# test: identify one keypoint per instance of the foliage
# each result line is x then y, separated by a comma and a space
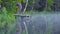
24, 1
11, 5
7, 25
33, 4
49, 4
0, 1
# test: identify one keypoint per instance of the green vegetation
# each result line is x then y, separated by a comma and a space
8, 8
50, 3
7, 24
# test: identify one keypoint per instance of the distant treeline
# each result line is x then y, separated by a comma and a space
39, 5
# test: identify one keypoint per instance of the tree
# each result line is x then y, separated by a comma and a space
26, 5
49, 4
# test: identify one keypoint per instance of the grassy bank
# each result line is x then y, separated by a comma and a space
41, 12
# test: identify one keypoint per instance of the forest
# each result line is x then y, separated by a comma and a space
10, 8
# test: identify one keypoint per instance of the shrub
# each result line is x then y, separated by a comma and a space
7, 24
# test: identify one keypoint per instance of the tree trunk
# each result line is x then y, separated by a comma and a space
45, 9
25, 6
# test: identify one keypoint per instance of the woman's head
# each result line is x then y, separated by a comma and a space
19, 6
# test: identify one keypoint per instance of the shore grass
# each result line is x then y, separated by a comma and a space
39, 12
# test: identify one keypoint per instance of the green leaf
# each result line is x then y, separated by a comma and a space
24, 1
18, 0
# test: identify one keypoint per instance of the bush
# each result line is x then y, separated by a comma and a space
7, 24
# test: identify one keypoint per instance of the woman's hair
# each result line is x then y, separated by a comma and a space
19, 7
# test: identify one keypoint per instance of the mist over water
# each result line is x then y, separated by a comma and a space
44, 24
